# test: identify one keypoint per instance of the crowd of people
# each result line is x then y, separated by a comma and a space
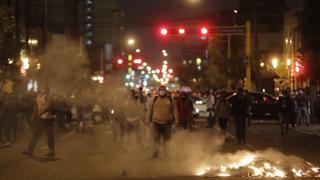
131, 113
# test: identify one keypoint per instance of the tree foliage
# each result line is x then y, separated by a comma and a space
222, 69
7, 36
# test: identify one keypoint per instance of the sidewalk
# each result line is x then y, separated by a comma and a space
313, 129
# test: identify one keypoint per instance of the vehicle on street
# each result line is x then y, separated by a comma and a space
263, 106
200, 106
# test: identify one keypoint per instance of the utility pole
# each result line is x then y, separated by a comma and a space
248, 82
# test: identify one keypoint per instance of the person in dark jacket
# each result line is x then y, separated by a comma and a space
223, 112
239, 112
185, 108
286, 110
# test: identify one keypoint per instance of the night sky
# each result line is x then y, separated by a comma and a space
144, 17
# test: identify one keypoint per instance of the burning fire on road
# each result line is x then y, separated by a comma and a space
256, 165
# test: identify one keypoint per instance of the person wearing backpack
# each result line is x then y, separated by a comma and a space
42, 115
162, 113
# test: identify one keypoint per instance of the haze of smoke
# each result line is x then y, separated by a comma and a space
189, 151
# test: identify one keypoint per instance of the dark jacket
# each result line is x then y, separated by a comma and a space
285, 105
240, 105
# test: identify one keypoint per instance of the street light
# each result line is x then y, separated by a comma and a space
164, 31
275, 63
131, 41
138, 50
204, 31
288, 62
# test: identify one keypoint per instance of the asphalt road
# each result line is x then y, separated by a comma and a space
94, 154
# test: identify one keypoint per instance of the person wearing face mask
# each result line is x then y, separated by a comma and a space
162, 113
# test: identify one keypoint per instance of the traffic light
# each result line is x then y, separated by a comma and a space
181, 31
298, 68
164, 31
204, 30
120, 61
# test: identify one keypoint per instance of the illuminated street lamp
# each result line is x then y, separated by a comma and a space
275, 63
131, 41
138, 50
288, 62
262, 64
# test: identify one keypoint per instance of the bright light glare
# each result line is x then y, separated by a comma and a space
182, 31
275, 63
164, 31
131, 41
204, 30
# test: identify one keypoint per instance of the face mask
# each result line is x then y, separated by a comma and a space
162, 93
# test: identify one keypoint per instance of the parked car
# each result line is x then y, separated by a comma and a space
263, 106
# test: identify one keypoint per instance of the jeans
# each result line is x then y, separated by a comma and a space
284, 122
240, 122
160, 130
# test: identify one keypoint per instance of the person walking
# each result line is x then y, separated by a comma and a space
302, 108
43, 121
185, 108
162, 113
223, 112
211, 102
286, 111
134, 112
239, 112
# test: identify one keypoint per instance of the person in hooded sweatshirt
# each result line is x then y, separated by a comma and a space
162, 113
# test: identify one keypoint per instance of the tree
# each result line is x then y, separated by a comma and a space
8, 47
224, 71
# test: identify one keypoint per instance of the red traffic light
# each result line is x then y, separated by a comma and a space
164, 31
120, 61
204, 31
181, 31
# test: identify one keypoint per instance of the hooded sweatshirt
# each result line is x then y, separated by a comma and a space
162, 110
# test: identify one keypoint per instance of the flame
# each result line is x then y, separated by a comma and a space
246, 160
203, 170
298, 173
251, 166
223, 174
315, 169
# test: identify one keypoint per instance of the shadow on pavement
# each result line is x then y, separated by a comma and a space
45, 159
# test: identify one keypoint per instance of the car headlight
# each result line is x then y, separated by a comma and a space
199, 102
197, 110
112, 111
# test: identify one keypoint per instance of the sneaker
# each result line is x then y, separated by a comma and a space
27, 153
